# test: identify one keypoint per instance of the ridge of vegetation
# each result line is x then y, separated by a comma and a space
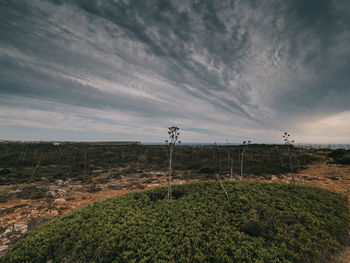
262, 222
26, 162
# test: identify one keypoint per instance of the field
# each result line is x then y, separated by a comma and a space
40, 181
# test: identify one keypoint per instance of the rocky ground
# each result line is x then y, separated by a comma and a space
23, 207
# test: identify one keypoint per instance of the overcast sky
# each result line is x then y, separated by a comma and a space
127, 70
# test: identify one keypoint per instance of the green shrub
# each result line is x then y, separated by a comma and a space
206, 170
116, 176
340, 156
261, 223
344, 160
252, 227
337, 153
5, 171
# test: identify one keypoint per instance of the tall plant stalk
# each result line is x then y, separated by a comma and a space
231, 166
245, 144
289, 142
173, 136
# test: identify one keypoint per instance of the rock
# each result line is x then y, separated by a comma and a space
64, 208
334, 178
59, 182
20, 227
62, 192
58, 193
274, 178
150, 181
9, 232
53, 193
307, 178
61, 201
3, 248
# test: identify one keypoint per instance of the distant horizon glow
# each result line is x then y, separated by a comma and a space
219, 70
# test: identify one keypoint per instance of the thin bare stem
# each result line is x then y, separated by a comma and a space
223, 188
34, 170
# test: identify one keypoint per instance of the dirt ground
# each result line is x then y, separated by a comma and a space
20, 215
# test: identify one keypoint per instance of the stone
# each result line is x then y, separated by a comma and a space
58, 193
9, 232
20, 227
61, 201
334, 178
62, 192
23, 213
59, 182
307, 178
53, 193
4, 248
274, 178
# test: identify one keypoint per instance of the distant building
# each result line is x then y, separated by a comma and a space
56, 143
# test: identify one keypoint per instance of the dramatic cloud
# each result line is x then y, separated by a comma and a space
126, 70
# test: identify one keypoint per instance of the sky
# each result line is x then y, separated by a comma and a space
220, 70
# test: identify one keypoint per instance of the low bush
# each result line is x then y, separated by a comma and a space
344, 160
94, 189
340, 156
206, 170
115, 187
32, 192
337, 153
5, 171
145, 175
261, 223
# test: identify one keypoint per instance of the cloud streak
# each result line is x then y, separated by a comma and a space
228, 69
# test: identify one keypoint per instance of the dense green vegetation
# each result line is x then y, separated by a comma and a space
261, 223
340, 156
27, 162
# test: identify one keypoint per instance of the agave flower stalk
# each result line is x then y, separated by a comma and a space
173, 136
288, 142
245, 145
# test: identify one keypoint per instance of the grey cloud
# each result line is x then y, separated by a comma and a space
266, 62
